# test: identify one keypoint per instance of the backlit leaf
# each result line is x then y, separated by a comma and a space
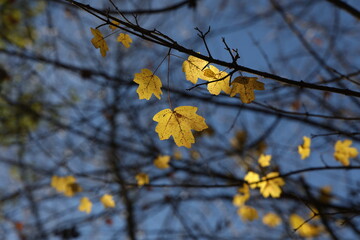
149, 84
218, 80
178, 124
271, 187
193, 68
264, 160
304, 149
252, 178
271, 220
343, 152
107, 201
247, 213
85, 205
245, 86
162, 162
125, 39
99, 42
142, 179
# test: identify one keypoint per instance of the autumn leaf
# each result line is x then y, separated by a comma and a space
304, 149
343, 152
245, 86
218, 80
247, 213
107, 201
242, 196
178, 124
162, 162
85, 205
304, 228
142, 179
193, 68
271, 187
99, 42
125, 39
264, 160
271, 219
252, 178
149, 84
66, 185
112, 27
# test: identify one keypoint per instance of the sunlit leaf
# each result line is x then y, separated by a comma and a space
271, 187
162, 162
85, 205
251, 178
271, 220
245, 86
248, 213
304, 149
142, 179
193, 68
178, 124
149, 84
99, 41
125, 39
107, 201
343, 152
264, 160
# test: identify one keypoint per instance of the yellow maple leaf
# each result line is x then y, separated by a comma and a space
142, 179
218, 80
99, 42
343, 152
112, 27
149, 84
271, 219
304, 149
66, 185
162, 162
178, 124
264, 160
85, 205
193, 68
107, 201
243, 195
304, 228
252, 178
125, 39
271, 187
247, 213
245, 86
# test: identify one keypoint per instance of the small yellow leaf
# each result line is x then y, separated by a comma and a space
142, 179
264, 160
149, 84
304, 149
193, 68
251, 178
162, 162
243, 195
271, 187
85, 205
178, 124
125, 39
108, 201
218, 80
247, 213
66, 185
245, 86
306, 230
271, 220
112, 27
99, 42
343, 152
